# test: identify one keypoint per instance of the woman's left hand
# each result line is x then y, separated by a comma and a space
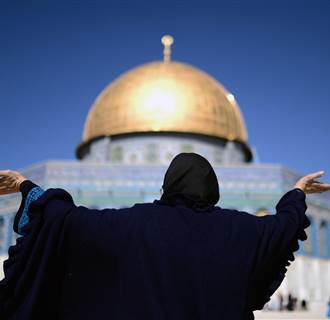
309, 185
10, 181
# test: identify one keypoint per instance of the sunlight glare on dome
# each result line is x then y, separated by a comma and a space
160, 97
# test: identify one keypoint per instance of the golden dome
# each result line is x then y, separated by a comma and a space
165, 96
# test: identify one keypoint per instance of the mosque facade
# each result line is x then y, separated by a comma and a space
140, 122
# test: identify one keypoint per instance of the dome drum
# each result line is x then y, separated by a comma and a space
218, 151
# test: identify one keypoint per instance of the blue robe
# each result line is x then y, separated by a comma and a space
150, 261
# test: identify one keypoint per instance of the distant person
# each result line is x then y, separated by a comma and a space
281, 301
290, 304
295, 303
179, 258
328, 311
303, 304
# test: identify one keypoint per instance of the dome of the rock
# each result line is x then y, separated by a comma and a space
167, 97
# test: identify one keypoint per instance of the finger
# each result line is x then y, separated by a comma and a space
5, 177
4, 173
324, 186
4, 187
7, 182
318, 183
319, 187
314, 175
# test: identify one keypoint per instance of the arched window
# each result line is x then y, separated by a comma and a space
322, 238
307, 244
133, 158
152, 152
218, 156
14, 235
2, 233
187, 148
169, 156
117, 154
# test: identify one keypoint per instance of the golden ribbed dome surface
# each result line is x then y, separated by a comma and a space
165, 96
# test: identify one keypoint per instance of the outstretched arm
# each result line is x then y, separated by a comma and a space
278, 238
12, 181
53, 202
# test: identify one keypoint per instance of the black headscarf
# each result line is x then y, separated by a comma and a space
190, 180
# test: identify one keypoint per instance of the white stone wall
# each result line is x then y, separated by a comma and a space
2, 259
308, 278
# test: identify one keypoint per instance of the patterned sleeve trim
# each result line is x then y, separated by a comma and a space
30, 192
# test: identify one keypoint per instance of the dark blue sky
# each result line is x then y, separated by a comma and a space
56, 57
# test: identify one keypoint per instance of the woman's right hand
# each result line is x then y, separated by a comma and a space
10, 181
308, 184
